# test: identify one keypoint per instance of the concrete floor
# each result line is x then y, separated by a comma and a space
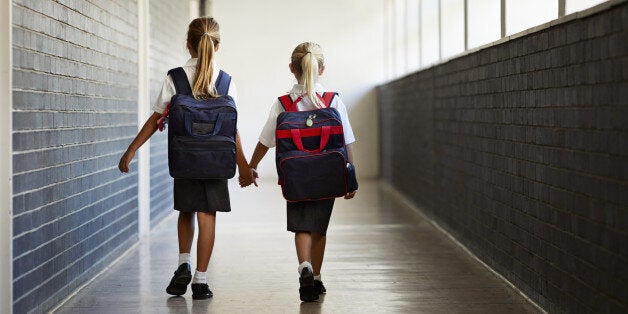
382, 257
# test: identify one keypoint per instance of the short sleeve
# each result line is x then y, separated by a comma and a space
267, 136
346, 125
233, 91
167, 91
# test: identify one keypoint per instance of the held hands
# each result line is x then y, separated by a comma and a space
248, 177
254, 175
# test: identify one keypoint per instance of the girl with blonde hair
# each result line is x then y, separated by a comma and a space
200, 198
308, 220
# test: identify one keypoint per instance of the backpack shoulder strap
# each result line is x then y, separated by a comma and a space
328, 97
287, 103
180, 79
222, 83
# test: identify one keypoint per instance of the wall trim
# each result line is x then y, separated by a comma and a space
6, 160
143, 112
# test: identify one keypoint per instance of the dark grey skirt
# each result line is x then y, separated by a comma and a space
311, 216
208, 195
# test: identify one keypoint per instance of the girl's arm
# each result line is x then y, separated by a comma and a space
349, 147
243, 166
258, 154
145, 133
350, 152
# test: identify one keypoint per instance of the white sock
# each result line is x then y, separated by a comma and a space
184, 258
318, 277
199, 277
305, 264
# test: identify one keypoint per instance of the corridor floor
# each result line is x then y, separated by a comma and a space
382, 257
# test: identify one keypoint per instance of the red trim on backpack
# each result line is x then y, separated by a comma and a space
288, 104
291, 106
161, 123
308, 132
327, 98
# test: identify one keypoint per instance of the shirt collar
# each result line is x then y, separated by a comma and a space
191, 62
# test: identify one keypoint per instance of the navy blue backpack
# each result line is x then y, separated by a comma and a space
311, 155
201, 133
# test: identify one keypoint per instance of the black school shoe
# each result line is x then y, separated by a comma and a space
179, 282
201, 291
318, 285
307, 291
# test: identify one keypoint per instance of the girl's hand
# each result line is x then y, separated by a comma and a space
125, 160
243, 182
245, 178
350, 195
254, 175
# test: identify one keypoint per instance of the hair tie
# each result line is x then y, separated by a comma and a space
205, 34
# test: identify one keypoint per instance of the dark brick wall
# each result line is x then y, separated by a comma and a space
74, 100
520, 150
168, 28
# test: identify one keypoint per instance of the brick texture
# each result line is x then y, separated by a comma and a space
74, 114
520, 151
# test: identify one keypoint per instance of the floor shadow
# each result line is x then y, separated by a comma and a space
312, 307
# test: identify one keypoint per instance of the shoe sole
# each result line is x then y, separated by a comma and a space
202, 297
179, 285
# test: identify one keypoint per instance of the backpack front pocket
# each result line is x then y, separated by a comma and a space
198, 158
308, 177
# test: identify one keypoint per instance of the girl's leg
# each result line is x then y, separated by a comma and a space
206, 236
185, 231
303, 243
318, 252
182, 276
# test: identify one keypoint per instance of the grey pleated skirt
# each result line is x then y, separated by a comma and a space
207, 195
310, 216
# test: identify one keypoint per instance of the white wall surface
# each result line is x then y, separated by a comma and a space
258, 38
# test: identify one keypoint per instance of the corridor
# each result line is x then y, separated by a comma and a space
382, 257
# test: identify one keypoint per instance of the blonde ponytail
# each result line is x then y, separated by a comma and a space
307, 59
204, 36
310, 76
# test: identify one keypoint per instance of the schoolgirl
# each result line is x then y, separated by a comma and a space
308, 220
194, 198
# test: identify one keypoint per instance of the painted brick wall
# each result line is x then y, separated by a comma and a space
74, 98
520, 150
168, 29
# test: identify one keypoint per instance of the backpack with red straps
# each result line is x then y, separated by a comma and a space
311, 156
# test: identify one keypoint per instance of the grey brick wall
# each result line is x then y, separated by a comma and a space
75, 112
74, 93
520, 150
169, 21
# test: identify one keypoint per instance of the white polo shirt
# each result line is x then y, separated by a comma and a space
168, 90
267, 137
